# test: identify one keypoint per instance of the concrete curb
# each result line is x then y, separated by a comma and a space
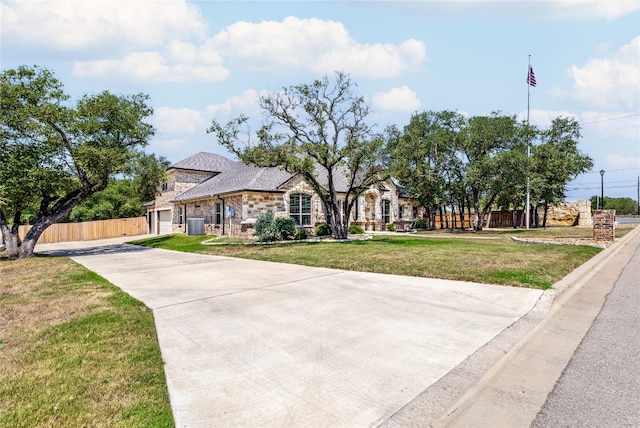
433, 406
582, 273
525, 398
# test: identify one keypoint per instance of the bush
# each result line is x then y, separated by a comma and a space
286, 227
391, 227
301, 235
419, 224
356, 230
269, 228
323, 229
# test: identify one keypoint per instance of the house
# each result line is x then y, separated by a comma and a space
228, 195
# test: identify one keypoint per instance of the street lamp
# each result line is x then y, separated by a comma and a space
602, 189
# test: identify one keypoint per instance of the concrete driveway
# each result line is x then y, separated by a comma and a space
259, 344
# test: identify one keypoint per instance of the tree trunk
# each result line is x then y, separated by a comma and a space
546, 210
10, 236
12, 242
477, 223
31, 238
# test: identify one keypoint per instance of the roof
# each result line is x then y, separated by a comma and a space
203, 161
238, 178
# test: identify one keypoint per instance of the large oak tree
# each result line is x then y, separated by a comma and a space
54, 154
319, 131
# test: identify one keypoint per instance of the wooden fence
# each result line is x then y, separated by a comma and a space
90, 230
496, 219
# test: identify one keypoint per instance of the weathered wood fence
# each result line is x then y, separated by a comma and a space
90, 230
496, 219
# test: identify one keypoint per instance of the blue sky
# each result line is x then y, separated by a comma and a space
199, 60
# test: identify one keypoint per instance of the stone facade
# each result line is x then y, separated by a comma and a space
373, 210
568, 214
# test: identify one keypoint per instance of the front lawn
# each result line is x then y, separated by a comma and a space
490, 257
75, 351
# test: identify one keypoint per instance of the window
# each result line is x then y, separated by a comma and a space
401, 212
386, 212
165, 186
218, 213
357, 209
300, 209
179, 215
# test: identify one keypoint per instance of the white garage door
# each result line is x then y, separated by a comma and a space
164, 217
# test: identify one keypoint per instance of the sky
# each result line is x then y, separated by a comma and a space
204, 60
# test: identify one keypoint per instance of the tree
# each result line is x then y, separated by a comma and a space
486, 145
422, 157
317, 130
55, 154
623, 206
149, 170
557, 161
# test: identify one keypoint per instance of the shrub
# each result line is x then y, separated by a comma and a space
323, 229
270, 228
263, 229
391, 227
286, 227
419, 224
354, 229
301, 235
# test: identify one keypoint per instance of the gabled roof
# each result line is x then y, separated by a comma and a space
203, 161
238, 178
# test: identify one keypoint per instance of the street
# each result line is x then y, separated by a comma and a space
600, 387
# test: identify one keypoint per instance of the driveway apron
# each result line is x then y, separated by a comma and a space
259, 344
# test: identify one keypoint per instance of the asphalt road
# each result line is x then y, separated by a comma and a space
600, 387
628, 220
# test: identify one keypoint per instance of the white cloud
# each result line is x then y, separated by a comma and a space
610, 82
543, 118
615, 161
314, 45
401, 99
153, 66
537, 9
613, 126
79, 24
593, 9
245, 103
178, 121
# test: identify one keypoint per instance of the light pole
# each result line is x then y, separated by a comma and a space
602, 189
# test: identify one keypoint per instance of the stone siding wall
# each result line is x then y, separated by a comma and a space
567, 214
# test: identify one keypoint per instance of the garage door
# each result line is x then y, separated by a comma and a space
164, 218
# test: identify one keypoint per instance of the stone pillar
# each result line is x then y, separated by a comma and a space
584, 218
604, 225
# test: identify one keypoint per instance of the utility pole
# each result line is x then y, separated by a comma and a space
602, 189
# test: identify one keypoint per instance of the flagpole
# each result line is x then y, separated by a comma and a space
528, 145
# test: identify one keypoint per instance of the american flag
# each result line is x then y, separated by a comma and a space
531, 78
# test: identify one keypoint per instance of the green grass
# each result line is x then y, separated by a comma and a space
76, 350
490, 257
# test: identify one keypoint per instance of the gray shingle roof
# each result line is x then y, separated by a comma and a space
239, 177
203, 161
236, 176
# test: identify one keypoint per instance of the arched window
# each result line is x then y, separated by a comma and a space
300, 208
